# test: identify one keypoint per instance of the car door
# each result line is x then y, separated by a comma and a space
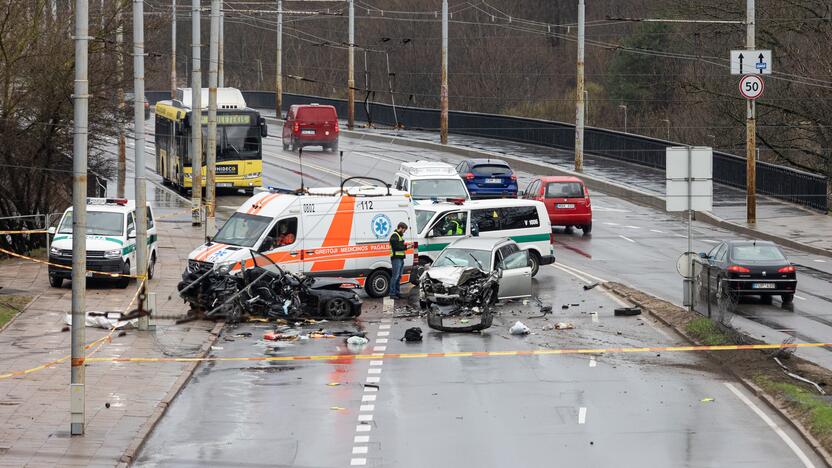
131, 241
438, 236
285, 251
515, 275
716, 265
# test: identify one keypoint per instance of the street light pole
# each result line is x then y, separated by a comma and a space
221, 60
624, 106
173, 51
79, 218
121, 165
196, 117
443, 89
278, 60
213, 68
580, 108
750, 128
140, 186
351, 69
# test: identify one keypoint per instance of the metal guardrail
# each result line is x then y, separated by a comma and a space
777, 181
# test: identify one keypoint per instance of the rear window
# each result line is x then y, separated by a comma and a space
564, 190
317, 114
491, 170
756, 253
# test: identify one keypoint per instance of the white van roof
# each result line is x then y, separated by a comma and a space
427, 168
356, 191
276, 202
116, 205
227, 98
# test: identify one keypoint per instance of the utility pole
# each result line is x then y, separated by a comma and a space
351, 69
750, 127
213, 66
79, 218
121, 171
278, 64
221, 64
173, 51
139, 155
196, 118
579, 92
443, 87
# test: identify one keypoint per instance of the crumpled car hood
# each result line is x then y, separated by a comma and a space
453, 275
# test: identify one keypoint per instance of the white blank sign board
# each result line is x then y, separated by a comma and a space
699, 169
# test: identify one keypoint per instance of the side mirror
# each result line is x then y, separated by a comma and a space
51, 230
475, 230
268, 244
264, 129
499, 272
703, 255
131, 234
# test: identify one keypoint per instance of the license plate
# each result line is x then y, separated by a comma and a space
225, 184
493, 181
89, 274
762, 285
308, 132
565, 205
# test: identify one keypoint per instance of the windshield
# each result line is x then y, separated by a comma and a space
422, 218
465, 257
99, 223
438, 188
756, 253
564, 190
242, 229
235, 142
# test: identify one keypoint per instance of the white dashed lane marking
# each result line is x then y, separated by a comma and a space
626, 238
582, 415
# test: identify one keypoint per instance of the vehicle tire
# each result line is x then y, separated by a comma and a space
124, 281
249, 191
787, 298
378, 283
56, 281
337, 308
151, 266
567, 229
494, 295
534, 258
424, 305
587, 228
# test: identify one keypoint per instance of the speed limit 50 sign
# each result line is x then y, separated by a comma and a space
751, 86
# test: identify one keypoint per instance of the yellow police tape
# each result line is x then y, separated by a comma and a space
535, 352
97, 344
36, 260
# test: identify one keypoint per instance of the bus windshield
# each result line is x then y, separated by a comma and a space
99, 223
235, 142
242, 229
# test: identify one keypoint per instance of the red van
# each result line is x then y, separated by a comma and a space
566, 199
311, 125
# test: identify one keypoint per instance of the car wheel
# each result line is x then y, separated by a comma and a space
337, 309
151, 267
787, 298
534, 259
124, 281
587, 228
56, 281
567, 229
378, 283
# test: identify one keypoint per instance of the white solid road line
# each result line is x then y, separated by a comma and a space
657, 231
611, 224
632, 227
788, 440
799, 297
582, 415
820, 261
626, 238
592, 361
581, 272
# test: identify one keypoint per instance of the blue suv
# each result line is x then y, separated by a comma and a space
488, 178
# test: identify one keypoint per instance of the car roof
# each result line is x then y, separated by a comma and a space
736, 242
480, 243
560, 179
479, 161
476, 204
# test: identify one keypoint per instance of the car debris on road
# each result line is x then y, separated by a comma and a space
519, 328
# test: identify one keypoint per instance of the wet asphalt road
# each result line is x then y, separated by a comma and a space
614, 410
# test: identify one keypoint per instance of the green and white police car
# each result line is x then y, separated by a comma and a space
111, 241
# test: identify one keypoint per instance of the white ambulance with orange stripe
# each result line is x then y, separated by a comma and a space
337, 231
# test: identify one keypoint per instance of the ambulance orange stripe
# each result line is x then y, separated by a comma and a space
259, 205
209, 251
338, 234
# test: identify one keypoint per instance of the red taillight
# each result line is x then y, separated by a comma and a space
513, 177
787, 269
738, 269
337, 129
469, 176
296, 127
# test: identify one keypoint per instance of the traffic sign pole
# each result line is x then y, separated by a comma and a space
751, 125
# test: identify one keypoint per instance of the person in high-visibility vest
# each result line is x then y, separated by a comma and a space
454, 226
398, 251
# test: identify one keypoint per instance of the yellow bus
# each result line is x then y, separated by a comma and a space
240, 132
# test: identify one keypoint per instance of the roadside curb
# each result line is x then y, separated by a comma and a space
12, 320
595, 183
749, 385
129, 455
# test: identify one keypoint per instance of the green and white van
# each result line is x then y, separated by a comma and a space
524, 221
111, 241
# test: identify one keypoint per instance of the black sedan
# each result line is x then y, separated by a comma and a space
749, 268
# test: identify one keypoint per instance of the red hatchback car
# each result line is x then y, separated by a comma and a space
566, 199
311, 125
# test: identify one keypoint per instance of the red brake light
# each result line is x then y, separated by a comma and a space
738, 269
513, 177
296, 127
456, 201
469, 176
787, 269
337, 128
